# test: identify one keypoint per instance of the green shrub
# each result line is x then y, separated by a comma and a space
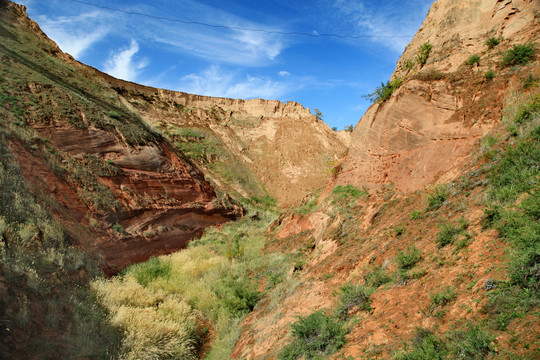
492, 42
417, 214
318, 114
399, 230
150, 270
473, 59
409, 64
489, 75
437, 197
348, 128
512, 175
425, 345
408, 258
521, 227
377, 277
444, 297
471, 342
449, 232
346, 193
352, 296
239, 296
383, 92
507, 302
519, 55
114, 115
423, 53
316, 336
119, 229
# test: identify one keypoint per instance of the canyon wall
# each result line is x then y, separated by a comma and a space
425, 131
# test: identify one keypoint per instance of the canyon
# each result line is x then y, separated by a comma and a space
100, 174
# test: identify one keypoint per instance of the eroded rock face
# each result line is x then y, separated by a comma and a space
425, 131
286, 148
163, 200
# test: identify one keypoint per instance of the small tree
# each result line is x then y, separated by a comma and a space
318, 114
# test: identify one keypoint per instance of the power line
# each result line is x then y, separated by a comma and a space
243, 28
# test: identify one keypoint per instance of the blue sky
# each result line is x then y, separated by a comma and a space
327, 73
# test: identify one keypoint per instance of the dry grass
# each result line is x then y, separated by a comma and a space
155, 324
212, 282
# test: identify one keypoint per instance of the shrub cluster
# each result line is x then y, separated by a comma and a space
352, 296
437, 197
423, 53
492, 42
519, 55
407, 259
448, 232
471, 342
473, 59
316, 336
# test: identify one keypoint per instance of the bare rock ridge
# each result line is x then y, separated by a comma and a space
423, 133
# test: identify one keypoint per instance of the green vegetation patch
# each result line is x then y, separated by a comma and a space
377, 277
409, 258
150, 270
352, 297
519, 55
492, 42
470, 342
214, 282
437, 197
473, 59
385, 91
347, 194
449, 232
316, 336
490, 75
423, 53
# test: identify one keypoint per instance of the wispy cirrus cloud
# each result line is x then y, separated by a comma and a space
76, 34
123, 65
236, 47
387, 27
214, 81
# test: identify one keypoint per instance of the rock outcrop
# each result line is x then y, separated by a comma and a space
427, 128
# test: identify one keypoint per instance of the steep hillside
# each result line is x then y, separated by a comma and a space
388, 257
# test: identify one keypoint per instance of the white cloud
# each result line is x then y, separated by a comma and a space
216, 82
218, 45
227, 46
123, 65
76, 34
387, 24
284, 73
